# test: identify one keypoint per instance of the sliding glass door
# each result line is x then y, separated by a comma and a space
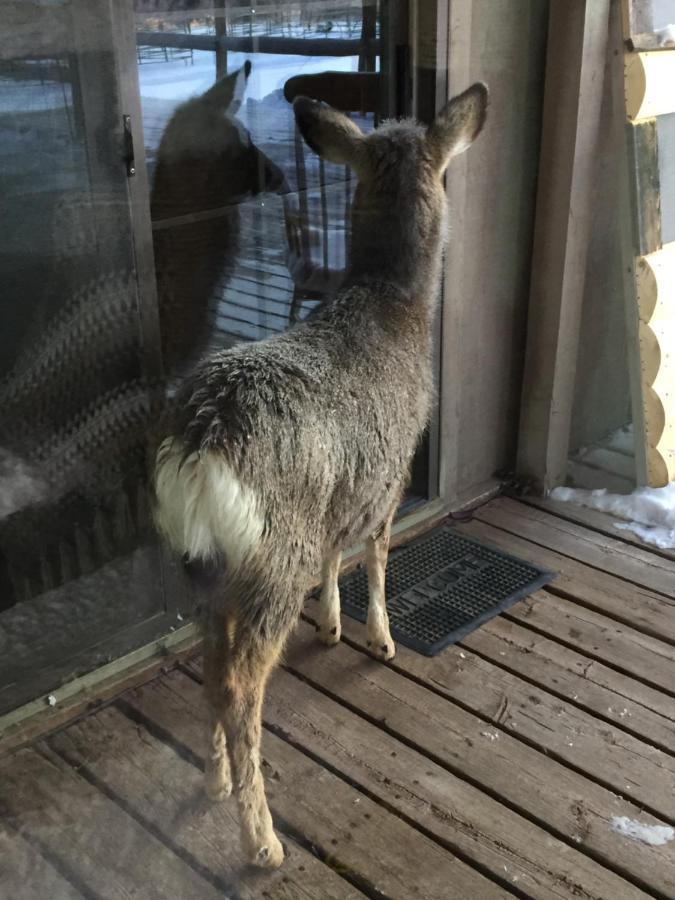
157, 202
80, 573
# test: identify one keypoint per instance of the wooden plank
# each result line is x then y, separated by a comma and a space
98, 846
634, 564
261, 299
258, 44
593, 519
171, 11
543, 867
613, 758
576, 53
627, 650
453, 811
644, 155
352, 832
26, 874
263, 265
574, 808
601, 691
258, 311
238, 329
163, 788
271, 281
259, 275
621, 601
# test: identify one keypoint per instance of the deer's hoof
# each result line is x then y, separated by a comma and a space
382, 648
216, 787
328, 633
270, 855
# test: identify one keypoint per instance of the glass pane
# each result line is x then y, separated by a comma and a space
76, 566
663, 14
250, 227
652, 17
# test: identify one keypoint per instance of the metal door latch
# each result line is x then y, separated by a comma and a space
129, 158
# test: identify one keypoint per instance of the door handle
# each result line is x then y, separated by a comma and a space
129, 158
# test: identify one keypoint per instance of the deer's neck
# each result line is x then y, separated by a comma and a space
404, 249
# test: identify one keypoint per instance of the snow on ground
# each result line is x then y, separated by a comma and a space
665, 35
650, 512
21, 484
178, 80
33, 96
165, 85
656, 835
622, 440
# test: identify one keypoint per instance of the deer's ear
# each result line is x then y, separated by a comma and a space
457, 125
228, 93
330, 133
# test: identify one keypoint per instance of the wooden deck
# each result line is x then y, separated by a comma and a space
494, 769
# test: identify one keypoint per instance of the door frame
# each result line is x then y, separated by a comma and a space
575, 77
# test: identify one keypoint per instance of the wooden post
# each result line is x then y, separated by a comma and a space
394, 60
220, 19
368, 32
577, 52
488, 257
459, 50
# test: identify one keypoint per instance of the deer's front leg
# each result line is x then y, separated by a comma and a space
379, 639
328, 616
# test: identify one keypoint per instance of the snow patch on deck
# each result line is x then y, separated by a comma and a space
656, 835
649, 512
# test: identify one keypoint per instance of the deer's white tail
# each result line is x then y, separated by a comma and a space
202, 507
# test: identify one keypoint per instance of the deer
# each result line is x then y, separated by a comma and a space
285, 452
206, 166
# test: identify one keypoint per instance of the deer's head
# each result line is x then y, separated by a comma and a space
206, 157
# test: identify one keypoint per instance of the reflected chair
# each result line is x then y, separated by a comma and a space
317, 224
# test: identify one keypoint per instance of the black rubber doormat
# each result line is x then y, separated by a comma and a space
442, 586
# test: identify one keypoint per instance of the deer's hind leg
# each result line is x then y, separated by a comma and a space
328, 614
255, 651
217, 651
379, 638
